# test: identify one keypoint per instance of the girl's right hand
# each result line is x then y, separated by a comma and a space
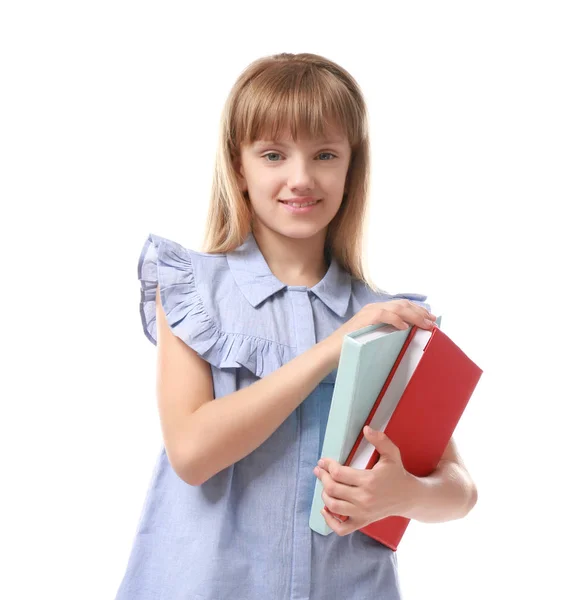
400, 313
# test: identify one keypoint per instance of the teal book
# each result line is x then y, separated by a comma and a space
367, 357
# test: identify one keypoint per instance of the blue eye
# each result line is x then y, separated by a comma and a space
278, 154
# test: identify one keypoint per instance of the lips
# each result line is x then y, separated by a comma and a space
301, 202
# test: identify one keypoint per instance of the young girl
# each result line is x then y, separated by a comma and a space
249, 336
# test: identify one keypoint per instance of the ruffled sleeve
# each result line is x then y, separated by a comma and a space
170, 266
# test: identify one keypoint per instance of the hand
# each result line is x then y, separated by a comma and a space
366, 495
401, 313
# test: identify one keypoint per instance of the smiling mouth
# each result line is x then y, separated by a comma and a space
300, 204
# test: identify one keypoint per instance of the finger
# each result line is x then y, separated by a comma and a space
343, 474
335, 490
410, 305
405, 313
338, 527
415, 309
340, 507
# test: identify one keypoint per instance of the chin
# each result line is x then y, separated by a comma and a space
293, 228
300, 231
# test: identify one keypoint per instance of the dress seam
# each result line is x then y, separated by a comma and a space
299, 422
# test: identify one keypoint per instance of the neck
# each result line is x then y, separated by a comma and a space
293, 261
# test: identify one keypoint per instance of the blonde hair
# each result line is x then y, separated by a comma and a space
302, 94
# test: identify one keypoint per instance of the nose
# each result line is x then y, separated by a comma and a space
300, 176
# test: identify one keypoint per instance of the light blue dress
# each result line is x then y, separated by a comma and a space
244, 534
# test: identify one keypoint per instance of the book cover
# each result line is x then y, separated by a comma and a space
367, 355
418, 408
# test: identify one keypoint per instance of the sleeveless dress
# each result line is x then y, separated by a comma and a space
244, 534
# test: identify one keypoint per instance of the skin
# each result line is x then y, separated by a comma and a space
204, 435
293, 246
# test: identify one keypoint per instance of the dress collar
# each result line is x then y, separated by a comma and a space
257, 282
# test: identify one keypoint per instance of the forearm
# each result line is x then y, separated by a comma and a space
229, 428
447, 494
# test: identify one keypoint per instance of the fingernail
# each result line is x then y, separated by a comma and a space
316, 470
428, 323
321, 462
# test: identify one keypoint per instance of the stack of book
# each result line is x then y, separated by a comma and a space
414, 385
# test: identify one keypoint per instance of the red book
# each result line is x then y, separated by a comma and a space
419, 406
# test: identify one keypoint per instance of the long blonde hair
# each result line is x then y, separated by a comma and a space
304, 94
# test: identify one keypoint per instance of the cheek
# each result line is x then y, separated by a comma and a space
335, 182
266, 187
263, 200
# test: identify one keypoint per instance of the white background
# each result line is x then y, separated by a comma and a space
108, 128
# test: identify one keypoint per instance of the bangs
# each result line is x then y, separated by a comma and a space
297, 100
298, 96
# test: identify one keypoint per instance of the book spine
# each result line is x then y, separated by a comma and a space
374, 458
338, 421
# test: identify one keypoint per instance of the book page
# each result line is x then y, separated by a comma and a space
392, 395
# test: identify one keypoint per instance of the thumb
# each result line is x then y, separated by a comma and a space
383, 444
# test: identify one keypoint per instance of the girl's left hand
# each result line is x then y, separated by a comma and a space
365, 496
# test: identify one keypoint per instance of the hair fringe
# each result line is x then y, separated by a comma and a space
304, 94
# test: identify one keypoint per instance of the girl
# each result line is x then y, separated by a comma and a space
249, 336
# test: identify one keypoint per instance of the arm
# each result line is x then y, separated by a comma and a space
203, 435
446, 494
366, 496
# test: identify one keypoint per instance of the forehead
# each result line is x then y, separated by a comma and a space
292, 131
331, 138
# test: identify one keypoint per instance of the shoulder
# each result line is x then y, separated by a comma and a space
206, 308
185, 271
175, 255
